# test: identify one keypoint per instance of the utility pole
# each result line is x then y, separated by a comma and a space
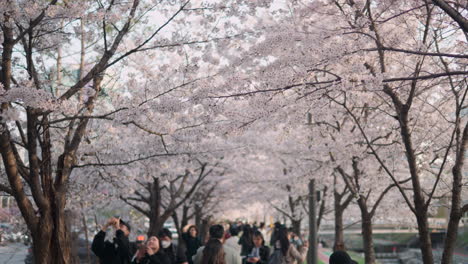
312, 254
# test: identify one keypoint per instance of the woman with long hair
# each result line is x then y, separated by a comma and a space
246, 242
260, 253
150, 253
213, 253
288, 252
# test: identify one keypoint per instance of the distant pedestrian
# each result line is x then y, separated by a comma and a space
213, 253
341, 257
151, 253
260, 253
232, 239
263, 230
274, 233
117, 251
192, 242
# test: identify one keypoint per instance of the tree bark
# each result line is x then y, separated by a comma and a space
155, 208
85, 228
456, 211
425, 237
198, 217
51, 239
321, 212
178, 227
369, 251
296, 226
185, 217
205, 225
339, 237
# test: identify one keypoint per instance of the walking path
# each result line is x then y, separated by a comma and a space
323, 254
13, 253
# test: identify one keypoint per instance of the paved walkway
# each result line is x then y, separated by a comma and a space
13, 253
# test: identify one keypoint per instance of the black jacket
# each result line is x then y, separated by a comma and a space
264, 255
191, 245
157, 258
116, 252
175, 253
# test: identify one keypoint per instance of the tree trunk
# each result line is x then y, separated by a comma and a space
321, 212
205, 225
369, 252
296, 226
425, 238
185, 217
155, 227
451, 236
339, 237
198, 217
456, 209
155, 209
85, 228
175, 218
51, 239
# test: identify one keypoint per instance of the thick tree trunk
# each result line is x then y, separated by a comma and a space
51, 239
369, 252
339, 237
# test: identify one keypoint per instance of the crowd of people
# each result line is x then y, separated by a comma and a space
222, 246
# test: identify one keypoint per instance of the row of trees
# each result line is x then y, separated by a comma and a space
385, 85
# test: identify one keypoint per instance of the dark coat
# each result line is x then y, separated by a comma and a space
246, 245
116, 252
264, 255
157, 258
192, 244
176, 253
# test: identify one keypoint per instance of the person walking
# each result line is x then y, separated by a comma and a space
151, 253
260, 253
118, 251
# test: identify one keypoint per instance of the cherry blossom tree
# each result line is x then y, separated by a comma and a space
47, 111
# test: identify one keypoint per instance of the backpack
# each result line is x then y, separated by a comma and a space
277, 257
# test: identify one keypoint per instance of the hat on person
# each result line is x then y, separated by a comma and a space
341, 257
165, 232
122, 222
